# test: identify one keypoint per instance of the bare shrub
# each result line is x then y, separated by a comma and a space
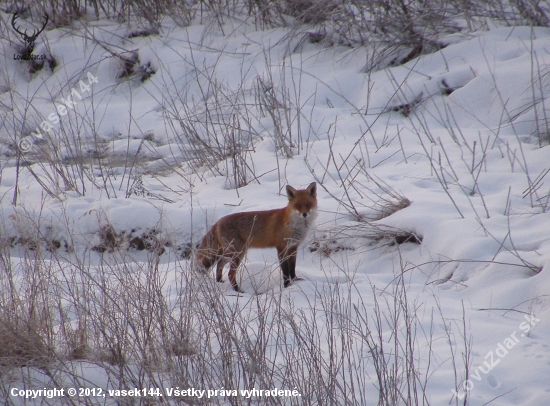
269, 104
147, 324
360, 236
517, 12
26, 315
214, 144
368, 232
20, 344
109, 239
362, 202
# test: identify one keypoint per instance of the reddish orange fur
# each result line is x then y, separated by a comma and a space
283, 229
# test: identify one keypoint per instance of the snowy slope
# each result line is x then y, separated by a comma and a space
461, 133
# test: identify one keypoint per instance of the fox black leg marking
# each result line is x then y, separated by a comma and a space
291, 259
235, 262
285, 266
219, 270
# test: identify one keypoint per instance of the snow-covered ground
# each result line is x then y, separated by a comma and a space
462, 133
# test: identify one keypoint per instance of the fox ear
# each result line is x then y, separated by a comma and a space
312, 189
290, 192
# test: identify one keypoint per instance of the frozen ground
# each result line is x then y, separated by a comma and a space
461, 133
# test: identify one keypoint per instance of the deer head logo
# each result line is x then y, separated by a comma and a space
29, 39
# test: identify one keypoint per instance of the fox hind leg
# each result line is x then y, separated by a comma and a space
219, 269
235, 262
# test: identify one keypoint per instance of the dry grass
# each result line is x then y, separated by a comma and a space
120, 318
147, 324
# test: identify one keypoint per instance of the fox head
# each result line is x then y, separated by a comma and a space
303, 202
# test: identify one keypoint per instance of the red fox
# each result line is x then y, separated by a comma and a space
284, 229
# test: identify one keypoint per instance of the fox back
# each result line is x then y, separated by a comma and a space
284, 229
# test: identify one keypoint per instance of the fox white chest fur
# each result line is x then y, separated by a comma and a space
300, 225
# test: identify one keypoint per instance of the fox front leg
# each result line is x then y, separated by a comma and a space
287, 260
